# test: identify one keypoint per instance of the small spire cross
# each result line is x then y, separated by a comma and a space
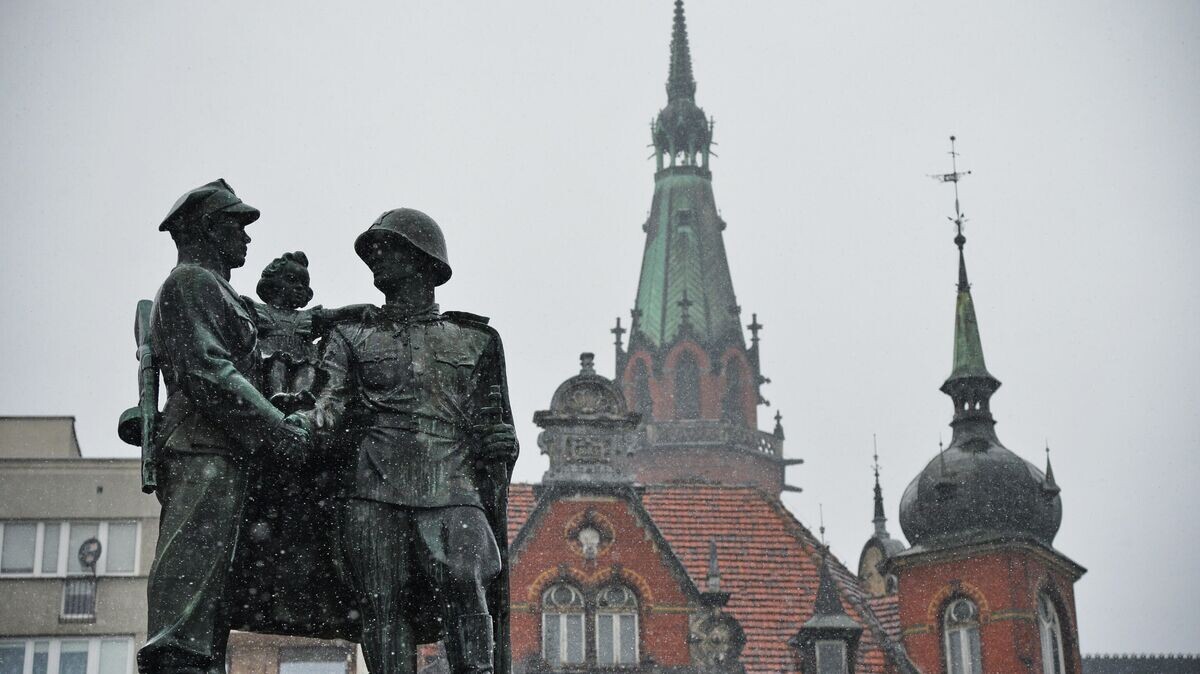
754, 327
618, 332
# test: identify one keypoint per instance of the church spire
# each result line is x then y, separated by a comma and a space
969, 385
680, 83
880, 520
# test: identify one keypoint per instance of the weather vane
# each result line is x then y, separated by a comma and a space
953, 177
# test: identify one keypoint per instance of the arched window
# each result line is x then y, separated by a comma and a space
961, 625
642, 402
687, 387
731, 403
1053, 658
562, 625
616, 626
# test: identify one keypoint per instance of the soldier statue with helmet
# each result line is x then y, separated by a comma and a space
416, 406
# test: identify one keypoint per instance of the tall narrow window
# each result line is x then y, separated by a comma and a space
687, 387
731, 402
1053, 658
643, 403
616, 627
562, 626
961, 625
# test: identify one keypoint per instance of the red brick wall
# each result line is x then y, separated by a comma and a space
712, 386
548, 554
1004, 584
713, 466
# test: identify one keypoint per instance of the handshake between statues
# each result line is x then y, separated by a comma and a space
318, 448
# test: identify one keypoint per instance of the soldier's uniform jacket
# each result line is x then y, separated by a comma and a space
207, 346
415, 387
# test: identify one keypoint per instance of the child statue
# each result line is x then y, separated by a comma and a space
287, 331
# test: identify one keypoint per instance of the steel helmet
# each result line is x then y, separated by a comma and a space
414, 227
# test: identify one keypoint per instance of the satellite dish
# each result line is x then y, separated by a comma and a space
89, 553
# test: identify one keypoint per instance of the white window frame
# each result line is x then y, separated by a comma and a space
616, 638
616, 613
1050, 632
64, 555
841, 651
560, 615
962, 633
55, 651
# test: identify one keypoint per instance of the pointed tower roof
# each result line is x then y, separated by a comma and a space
880, 519
685, 282
968, 348
969, 365
829, 611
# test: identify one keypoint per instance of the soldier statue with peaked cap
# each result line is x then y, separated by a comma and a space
214, 419
416, 405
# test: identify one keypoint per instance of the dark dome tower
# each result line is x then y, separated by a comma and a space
982, 588
687, 369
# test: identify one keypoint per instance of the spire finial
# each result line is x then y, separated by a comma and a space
880, 519
969, 384
1049, 484
754, 327
778, 432
821, 514
679, 80
618, 332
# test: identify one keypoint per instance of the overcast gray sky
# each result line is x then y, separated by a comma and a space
522, 127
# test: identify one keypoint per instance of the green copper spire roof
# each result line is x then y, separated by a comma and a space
968, 349
685, 287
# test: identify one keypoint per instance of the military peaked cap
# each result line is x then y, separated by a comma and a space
214, 197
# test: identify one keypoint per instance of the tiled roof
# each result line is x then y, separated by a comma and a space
520, 504
887, 614
768, 562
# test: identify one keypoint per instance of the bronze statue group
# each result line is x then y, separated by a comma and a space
322, 472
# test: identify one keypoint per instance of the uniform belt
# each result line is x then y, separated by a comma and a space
417, 424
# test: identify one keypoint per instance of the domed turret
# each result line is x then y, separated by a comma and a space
976, 488
588, 431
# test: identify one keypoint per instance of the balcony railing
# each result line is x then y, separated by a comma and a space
79, 600
712, 433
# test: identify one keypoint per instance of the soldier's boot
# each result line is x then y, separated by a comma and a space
469, 645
